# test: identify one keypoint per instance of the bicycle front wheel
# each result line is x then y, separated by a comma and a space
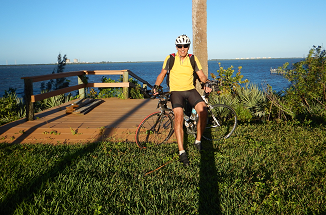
155, 129
221, 122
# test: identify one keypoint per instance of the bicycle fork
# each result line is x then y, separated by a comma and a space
215, 122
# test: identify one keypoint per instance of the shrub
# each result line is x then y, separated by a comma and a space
228, 82
59, 83
253, 99
107, 92
11, 107
248, 101
307, 93
52, 102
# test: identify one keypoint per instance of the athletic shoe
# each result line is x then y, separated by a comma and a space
184, 159
198, 146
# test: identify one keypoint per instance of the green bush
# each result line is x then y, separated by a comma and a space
228, 82
51, 102
11, 107
58, 83
107, 92
307, 94
253, 99
248, 101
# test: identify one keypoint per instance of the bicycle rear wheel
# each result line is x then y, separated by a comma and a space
155, 129
221, 122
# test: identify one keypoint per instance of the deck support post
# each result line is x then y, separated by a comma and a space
28, 91
82, 80
125, 89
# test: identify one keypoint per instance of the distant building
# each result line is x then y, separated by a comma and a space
75, 60
68, 61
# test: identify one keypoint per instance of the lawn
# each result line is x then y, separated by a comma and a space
271, 168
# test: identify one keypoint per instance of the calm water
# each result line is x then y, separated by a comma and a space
257, 71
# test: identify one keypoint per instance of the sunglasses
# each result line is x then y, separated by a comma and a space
185, 46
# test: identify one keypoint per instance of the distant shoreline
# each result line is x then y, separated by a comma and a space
109, 62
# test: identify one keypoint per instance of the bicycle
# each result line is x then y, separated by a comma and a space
157, 127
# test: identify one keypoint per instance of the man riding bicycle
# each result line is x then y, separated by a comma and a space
181, 83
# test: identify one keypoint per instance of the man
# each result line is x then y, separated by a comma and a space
182, 88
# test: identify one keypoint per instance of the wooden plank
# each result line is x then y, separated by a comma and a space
121, 84
118, 117
38, 97
85, 109
54, 76
103, 72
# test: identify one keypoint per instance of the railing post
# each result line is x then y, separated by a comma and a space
28, 91
82, 80
125, 89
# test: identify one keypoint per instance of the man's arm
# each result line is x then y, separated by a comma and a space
202, 77
160, 77
159, 81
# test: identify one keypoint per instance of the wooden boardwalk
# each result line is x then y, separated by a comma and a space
113, 120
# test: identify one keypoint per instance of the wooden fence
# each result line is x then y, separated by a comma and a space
82, 84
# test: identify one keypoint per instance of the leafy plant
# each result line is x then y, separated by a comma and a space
52, 102
229, 82
134, 92
253, 99
58, 83
248, 101
307, 93
108, 92
11, 107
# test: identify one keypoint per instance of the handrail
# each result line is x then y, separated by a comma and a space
30, 98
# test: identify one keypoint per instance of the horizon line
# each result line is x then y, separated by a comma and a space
106, 62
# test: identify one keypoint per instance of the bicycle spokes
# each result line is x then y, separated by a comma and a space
221, 122
154, 130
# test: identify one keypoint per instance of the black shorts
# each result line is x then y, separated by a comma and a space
179, 98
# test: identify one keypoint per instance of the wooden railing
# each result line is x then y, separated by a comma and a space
82, 84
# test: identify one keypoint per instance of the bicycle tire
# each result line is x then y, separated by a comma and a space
154, 130
221, 122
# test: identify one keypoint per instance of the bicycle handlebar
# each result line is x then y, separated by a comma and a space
160, 94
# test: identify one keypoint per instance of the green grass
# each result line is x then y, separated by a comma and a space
262, 169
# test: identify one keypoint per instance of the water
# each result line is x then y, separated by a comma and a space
257, 71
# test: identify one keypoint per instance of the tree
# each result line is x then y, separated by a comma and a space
199, 32
307, 93
59, 83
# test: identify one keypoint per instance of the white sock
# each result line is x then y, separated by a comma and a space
197, 141
180, 152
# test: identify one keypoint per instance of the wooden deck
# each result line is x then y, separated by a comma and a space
114, 120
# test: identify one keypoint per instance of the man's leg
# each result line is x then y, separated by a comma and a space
178, 126
201, 109
178, 129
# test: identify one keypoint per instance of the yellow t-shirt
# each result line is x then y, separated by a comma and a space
181, 76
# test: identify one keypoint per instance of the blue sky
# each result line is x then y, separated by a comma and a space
34, 32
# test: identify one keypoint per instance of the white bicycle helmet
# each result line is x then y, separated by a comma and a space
182, 40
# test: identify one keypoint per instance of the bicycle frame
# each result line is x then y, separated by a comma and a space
221, 117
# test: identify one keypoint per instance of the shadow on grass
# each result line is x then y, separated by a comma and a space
26, 191
209, 194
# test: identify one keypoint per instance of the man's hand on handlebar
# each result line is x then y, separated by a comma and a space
156, 89
207, 87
